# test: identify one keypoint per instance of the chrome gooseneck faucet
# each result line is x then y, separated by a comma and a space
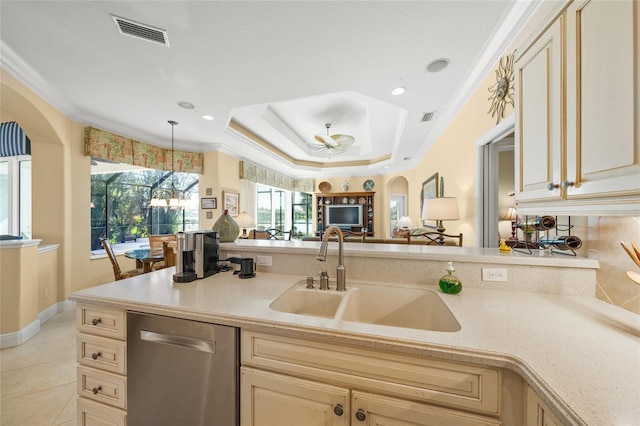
322, 255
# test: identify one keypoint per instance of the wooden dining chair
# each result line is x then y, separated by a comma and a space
117, 272
168, 248
156, 247
256, 234
435, 238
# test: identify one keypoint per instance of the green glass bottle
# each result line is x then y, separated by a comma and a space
450, 283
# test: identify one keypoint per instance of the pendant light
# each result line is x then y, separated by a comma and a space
173, 198
174, 203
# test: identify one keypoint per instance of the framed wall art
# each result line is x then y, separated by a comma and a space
231, 202
208, 203
429, 190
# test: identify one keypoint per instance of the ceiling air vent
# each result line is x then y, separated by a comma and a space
141, 31
427, 116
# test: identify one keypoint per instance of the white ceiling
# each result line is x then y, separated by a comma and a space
271, 73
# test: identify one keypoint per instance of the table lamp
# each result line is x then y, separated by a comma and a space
404, 222
440, 209
244, 221
511, 216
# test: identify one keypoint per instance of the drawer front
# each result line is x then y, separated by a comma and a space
101, 321
419, 378
103, 387
93, 414
99, 352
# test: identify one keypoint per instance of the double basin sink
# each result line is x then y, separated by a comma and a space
393, 306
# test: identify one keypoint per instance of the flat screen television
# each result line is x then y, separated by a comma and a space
344, 216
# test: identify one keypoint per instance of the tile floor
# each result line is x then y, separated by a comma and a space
38, 378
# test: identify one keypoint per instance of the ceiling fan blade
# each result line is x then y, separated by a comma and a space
337, 150
343, 139
322, 138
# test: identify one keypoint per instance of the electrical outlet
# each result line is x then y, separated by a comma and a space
494, 274
264, 260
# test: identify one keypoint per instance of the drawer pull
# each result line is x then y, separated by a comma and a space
96, 390
338, 410
96, 321
95, 355
360, 415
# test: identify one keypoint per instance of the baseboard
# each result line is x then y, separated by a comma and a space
8, 340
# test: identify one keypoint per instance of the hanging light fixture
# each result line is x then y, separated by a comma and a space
172, 198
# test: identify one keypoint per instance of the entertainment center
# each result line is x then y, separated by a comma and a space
350, 211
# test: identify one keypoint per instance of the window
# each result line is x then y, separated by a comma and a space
15, 196
302, 209
284, 210
121, 209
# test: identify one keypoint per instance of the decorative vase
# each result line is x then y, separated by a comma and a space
227, 228
345, 186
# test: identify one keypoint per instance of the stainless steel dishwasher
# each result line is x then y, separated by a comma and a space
181, 372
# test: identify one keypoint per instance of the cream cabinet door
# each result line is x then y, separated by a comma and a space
538, 156
538, 414
269, 399
603, 88
377, 410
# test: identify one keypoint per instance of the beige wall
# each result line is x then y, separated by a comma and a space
47, 279
18, 288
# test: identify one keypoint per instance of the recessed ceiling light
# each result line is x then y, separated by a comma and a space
186, 105
207, 117
398, 91
438, 65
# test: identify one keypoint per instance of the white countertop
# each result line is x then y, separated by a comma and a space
580, 354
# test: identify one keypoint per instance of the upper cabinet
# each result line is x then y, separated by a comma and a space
577, 112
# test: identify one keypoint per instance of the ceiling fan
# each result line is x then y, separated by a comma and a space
334, 144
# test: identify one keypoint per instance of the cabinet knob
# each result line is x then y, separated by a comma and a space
566, 184
96, 321
360, 415
338, 410
96, 390
551, 186
95, 355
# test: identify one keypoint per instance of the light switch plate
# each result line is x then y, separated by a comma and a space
494, 274
264, 260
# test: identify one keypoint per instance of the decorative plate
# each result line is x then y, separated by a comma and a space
368, 185
361, 200
370, 214
352, 200
324, 187
345, 200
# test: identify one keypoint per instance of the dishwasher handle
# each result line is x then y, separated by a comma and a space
179, 341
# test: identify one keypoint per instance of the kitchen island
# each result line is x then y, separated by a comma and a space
580, 355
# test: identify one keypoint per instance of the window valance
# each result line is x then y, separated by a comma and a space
13, 140
109, 146
259, 174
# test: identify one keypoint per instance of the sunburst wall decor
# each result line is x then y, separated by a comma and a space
502, 91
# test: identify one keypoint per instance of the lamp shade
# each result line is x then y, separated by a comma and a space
244, 220
510, 215
404, 222
443, 208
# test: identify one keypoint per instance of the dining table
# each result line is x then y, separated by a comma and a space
145, 258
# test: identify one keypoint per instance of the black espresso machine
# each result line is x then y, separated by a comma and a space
198, 255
